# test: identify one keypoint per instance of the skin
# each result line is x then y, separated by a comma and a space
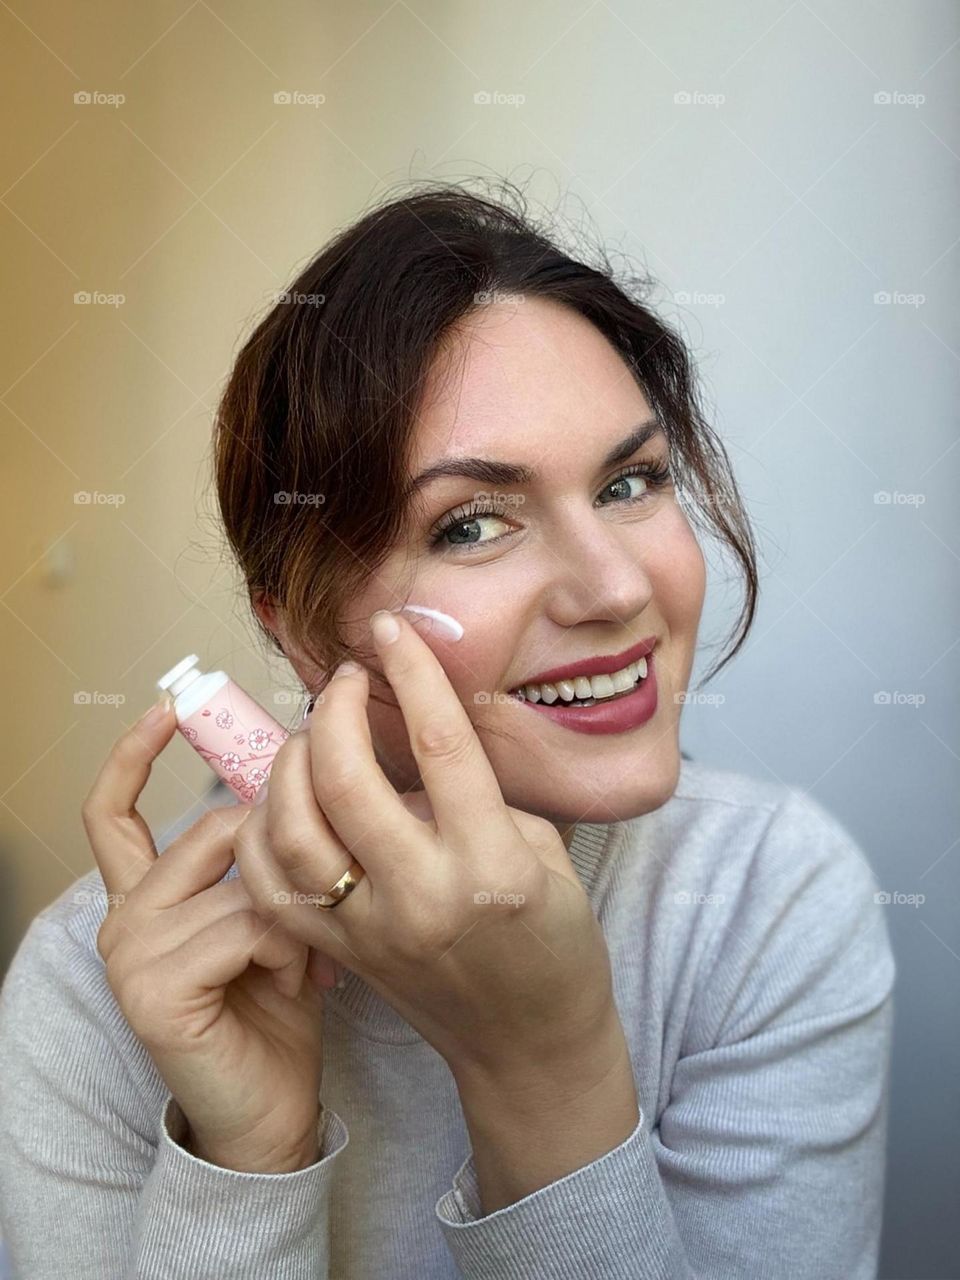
537, 384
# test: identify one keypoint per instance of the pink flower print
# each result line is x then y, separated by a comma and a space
189, 733
238, 737
224, 719
230, 761
257, 776
259, 739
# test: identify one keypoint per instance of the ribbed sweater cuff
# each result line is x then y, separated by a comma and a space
198, 1219
609, 1218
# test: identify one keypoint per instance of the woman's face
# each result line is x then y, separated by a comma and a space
571, 565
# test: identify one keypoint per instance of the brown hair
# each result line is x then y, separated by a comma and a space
320, 408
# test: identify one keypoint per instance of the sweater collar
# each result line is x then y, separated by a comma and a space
370, 1016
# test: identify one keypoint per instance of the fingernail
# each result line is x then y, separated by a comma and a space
346, 668
384, 626
439, 621
158, 711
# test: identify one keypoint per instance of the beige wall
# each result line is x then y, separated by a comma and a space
193, 198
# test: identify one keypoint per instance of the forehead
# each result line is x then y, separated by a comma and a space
520, 374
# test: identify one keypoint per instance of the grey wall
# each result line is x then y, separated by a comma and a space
799, 199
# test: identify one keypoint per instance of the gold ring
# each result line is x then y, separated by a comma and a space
342, 889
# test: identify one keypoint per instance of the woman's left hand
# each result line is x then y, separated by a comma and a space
470, 920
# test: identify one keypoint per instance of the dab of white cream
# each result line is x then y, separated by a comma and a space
450, 625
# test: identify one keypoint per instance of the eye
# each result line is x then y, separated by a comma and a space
461, 522
656, 476
461, 526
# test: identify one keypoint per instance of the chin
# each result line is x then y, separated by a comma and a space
638, 791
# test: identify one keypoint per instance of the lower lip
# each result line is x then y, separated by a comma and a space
618, 716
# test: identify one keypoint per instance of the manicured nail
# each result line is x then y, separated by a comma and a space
347, 668
156, 713
384, 626
443, 622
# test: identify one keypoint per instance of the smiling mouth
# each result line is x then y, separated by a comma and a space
586, 691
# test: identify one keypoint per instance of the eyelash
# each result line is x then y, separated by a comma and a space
657, 475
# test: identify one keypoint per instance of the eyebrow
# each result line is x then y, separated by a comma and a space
488, 471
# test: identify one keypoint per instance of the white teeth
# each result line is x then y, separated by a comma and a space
583, 687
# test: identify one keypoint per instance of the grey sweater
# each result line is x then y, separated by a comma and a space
752, 972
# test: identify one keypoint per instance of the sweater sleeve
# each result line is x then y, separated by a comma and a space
90, 1185
768, 1158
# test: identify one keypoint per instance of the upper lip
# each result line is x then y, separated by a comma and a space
602, 665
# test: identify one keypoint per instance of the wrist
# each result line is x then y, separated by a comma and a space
279, 1158
524, 1080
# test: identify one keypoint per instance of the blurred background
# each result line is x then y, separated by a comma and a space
789, 174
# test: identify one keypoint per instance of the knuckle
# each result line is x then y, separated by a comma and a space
293, 850
90, 812
438, 740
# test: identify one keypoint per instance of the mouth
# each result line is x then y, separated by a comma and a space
590, 682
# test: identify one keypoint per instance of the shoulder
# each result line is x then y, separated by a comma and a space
791, 921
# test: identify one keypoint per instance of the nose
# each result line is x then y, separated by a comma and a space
595, 571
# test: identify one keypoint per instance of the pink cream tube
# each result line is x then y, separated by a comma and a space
223, 724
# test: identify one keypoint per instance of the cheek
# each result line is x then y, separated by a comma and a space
679, 574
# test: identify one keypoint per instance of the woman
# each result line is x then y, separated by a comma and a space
601, 1010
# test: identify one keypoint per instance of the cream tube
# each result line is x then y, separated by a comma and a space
223, 724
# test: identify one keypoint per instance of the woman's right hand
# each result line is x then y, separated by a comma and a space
219, 997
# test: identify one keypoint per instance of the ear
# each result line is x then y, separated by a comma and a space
266, 610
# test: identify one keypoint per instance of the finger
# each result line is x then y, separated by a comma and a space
275, 899
358, 801
323, 972
305, 847
453, 765
196, 860
120, 839
224, 950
